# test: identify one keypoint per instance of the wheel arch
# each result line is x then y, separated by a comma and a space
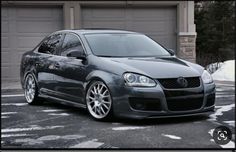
106, 77
32, 72
111, 80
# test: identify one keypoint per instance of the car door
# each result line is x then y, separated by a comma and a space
70, 77
46, 64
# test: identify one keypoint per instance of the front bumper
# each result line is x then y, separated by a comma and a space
140, 102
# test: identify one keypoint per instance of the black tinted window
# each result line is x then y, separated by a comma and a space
71, 43
51, 45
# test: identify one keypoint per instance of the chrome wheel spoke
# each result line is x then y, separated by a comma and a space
33, 91
102, 110
105, 106
92, 92
93, 107
31, 96
91, 101
95, 90
91, 97
106, 96
103, 101
30, 81
99, 111
100, 90
95, 110
104, 93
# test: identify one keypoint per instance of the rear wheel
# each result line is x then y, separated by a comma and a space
30, 90
99, 101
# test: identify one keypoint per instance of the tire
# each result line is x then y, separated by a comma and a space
99, 101
31, 90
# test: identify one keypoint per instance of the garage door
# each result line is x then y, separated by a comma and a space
22, 29
158, 23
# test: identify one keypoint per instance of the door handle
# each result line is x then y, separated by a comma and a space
37, 64
57, 65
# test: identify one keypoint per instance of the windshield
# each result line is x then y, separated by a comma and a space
124, 45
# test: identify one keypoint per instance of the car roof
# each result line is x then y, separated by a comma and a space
97, 31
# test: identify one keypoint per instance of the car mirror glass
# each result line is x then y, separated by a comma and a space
77, 54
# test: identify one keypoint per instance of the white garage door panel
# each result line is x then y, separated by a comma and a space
26, 42
100, 18
97, 24
5, 25
149, 26
4, 42
158, 23
22, 29
34, 27
5, 57
97, 13
34, 12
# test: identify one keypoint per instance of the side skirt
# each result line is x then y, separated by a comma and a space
63, 101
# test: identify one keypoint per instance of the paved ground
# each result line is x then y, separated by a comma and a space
55, 126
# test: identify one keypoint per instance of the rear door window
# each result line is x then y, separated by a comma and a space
51, 45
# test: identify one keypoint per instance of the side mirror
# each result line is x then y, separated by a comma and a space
172, 52
77, 54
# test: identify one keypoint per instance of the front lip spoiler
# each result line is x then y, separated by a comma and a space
181, 115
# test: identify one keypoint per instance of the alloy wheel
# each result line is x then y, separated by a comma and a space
98, 100
30, 87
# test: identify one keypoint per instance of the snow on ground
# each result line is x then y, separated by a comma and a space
213, 67
226, 72
171, 136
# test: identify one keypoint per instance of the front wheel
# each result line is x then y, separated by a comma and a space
30, 90
99, 101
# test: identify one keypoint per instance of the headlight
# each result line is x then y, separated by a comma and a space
137, 80
206, 77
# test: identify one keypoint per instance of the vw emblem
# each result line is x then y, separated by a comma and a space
182, 82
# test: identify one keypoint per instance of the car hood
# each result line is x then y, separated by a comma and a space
166, 67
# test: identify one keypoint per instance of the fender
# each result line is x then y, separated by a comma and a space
110, 79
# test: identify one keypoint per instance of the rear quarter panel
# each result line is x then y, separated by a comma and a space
27, 65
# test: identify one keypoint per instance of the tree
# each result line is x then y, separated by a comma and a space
215, 25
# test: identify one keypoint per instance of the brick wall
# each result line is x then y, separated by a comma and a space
187, 47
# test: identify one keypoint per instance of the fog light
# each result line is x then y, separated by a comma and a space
140, 106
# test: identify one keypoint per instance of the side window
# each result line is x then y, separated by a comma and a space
71, 43
43, 47
51, 45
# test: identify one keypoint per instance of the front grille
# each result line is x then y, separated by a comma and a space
184, 104
172, 83
145, 104
177, 93
184, 100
